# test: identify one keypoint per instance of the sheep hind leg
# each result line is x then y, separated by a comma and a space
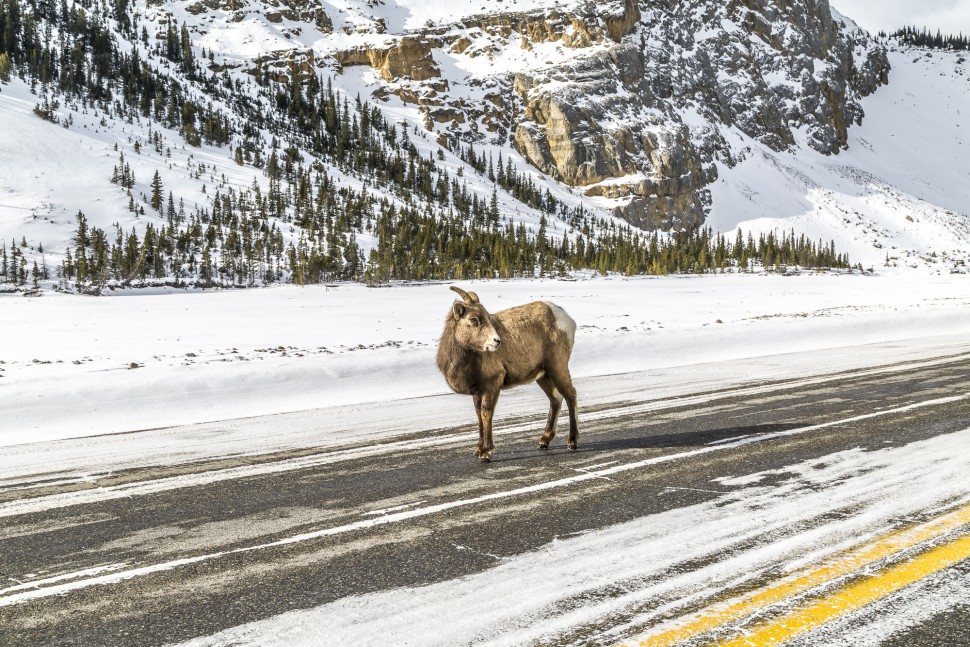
564, 384
555, 406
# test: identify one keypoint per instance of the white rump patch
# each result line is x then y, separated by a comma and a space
564, 322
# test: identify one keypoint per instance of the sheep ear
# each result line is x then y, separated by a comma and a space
458, 310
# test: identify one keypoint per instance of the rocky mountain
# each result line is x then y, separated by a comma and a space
624, 100
307, 140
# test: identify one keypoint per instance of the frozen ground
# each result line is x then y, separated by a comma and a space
136, 360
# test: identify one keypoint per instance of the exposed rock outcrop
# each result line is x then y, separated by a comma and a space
634, 105
645, 161
785, 65
275, 11
765, 67
623, 22
410, 57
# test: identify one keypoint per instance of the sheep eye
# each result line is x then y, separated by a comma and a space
474, 321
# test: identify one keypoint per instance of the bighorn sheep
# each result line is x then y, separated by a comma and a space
480, 354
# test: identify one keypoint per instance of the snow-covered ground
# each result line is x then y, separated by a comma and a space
73, 366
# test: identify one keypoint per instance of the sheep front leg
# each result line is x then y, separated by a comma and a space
489, 400
477, 399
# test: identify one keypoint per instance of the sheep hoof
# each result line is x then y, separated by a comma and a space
571, 446
543, 445
485, 458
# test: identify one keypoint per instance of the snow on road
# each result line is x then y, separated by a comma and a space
632, 574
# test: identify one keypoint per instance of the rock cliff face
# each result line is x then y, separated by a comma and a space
409, 57
649, 96
644, 160
614, 121
633, 103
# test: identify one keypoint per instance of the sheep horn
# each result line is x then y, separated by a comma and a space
469, 297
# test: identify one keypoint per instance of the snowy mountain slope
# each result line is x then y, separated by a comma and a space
195, 170
48, 172
899, 192
610, 109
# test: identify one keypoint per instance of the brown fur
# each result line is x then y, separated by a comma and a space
535, 345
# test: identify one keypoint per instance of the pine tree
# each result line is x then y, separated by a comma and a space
170, 213
185, 48
493, 211
5, 67
156, 197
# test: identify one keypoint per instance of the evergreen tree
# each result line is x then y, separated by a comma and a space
156, 197
5, 66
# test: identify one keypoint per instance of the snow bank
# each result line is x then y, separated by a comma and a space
82, 366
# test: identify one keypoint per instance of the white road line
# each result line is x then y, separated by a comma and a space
587, 468
396, 508
111, 578
694, 489
96, 570
141, 488
728, 440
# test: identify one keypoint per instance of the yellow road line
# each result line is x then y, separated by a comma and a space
855, 596
744, 605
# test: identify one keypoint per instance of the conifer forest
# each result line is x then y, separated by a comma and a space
404, 215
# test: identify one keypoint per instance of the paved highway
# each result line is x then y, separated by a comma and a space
153, 556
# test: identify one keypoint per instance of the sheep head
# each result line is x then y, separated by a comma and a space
474, 329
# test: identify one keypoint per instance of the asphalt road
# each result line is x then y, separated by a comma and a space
154, 556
